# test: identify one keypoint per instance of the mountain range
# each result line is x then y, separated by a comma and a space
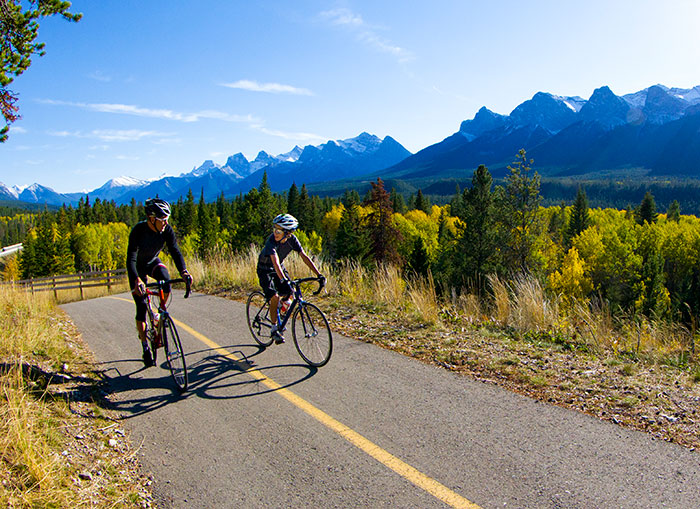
656, 130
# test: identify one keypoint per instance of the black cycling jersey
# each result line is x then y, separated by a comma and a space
144, 247
281, 248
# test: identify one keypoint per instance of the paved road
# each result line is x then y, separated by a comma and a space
258, 428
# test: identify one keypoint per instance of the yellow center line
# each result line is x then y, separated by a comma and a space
405, 470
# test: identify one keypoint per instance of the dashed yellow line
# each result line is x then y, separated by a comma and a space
405, 470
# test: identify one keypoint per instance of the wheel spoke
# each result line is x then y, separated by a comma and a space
312, 335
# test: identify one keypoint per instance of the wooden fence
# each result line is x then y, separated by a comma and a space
72, 281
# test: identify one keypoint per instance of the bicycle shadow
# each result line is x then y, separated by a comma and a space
215, 376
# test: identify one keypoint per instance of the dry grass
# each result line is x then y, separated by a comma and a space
40, 463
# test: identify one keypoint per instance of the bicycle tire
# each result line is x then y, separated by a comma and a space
174, 355
258, 314
312, 335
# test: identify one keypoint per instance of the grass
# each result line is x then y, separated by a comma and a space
41, 463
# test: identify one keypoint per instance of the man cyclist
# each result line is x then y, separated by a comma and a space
271, 272
146, 241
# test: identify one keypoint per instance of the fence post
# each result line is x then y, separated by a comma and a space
109, 286
80, 282
55, 292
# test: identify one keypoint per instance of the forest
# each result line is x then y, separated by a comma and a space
633, 261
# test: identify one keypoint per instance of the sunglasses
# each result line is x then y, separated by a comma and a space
281, 231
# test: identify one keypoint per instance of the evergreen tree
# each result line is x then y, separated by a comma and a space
579, 219
187, 217
479, 237
293, 200
351, 241
421, 203
206, 229
419, 261
397, 201
646, 212
520, 201
674, 211
384, 237
350, 198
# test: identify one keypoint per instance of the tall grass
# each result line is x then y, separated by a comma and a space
521, 304
33, 422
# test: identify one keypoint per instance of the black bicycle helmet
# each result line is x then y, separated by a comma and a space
157, 207
286, 222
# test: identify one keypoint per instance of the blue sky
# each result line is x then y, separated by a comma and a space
146, 88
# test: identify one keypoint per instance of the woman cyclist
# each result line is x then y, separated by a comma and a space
146, 241
271, 272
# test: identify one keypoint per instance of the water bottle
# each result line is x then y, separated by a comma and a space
284, 306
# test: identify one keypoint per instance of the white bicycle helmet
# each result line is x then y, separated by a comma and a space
286, 222
157, 207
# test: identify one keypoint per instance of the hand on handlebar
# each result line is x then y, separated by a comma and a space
139, 288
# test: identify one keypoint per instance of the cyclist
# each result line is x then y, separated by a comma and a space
146, 241
271, 272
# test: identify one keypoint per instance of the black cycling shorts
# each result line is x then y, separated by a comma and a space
270, 283
157, 271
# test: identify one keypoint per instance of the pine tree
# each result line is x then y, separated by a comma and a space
293, 200
187, 217
351, 241
520, 201
384, 237
646, 212
674, 211
421, 203
579, 219
206, 228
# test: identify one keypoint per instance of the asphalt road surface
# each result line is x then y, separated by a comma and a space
259, 428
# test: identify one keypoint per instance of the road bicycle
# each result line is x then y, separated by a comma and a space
312, 334
161, 331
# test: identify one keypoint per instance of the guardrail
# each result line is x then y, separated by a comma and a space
10, 250
80, 280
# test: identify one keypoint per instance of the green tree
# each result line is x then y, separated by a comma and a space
351, 240
206, 229
18, 32
293, 200
579, 219
421, 202
519, 206
646, 212
674, 211
187, 216
384, 237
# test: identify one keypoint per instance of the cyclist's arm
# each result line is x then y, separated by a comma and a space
309, 262
131, 255
277, 266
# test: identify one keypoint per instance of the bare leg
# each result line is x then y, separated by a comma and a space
141, 328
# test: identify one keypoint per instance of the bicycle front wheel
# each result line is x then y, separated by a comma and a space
258, 313
174, 355
312, 335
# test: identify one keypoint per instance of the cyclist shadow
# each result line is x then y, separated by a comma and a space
145, 393
132, 392
234, 376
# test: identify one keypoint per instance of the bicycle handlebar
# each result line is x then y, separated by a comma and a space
319, 279
160, 283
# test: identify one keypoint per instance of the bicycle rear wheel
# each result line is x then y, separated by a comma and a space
312, 335
174, 355
258, 313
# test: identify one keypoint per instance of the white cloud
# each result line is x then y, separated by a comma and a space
130, 109
99, 76
300, 137
111, 135
271, 88
365, 33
